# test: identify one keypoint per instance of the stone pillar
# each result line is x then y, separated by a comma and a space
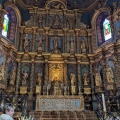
33, 38
18, 76
65, 39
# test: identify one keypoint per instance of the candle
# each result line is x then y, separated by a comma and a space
103, 99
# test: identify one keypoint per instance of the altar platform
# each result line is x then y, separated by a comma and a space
59, 103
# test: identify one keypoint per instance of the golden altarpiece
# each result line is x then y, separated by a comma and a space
56, 64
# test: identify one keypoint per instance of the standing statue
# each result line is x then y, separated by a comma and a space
85, 78
98, 80
55, 42
109, 75
40, 44
25, 76
12, 76
39, 78
72, 79
1, 72
71, 44
83, 47
26, 43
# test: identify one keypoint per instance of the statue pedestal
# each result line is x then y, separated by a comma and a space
23, 90
10, 88
111, 86
73, 90
38, 89
87, 90
98, 89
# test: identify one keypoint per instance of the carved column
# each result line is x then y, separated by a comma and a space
76, 18
117, 71
65, 39
6, 69
46, 40
21, 29
89, 41
65, 72
103, 63
79, 78
47, 10
46, 71
77, 39
35, 15
32, 76
64, 18
91, 77
33, 38
18, 76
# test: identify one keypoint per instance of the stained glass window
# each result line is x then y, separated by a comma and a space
5, 26
107, 30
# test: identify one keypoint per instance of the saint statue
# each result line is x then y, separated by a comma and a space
39, 78
40, 44
98, 81
109, 75
72, 79
55, 42
12, 76
26, 42
25, 76
85, 78
83, 47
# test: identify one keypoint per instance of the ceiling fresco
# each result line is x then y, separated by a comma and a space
81, 3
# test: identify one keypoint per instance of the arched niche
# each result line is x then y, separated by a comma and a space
14, 23
55, 4
97, 25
